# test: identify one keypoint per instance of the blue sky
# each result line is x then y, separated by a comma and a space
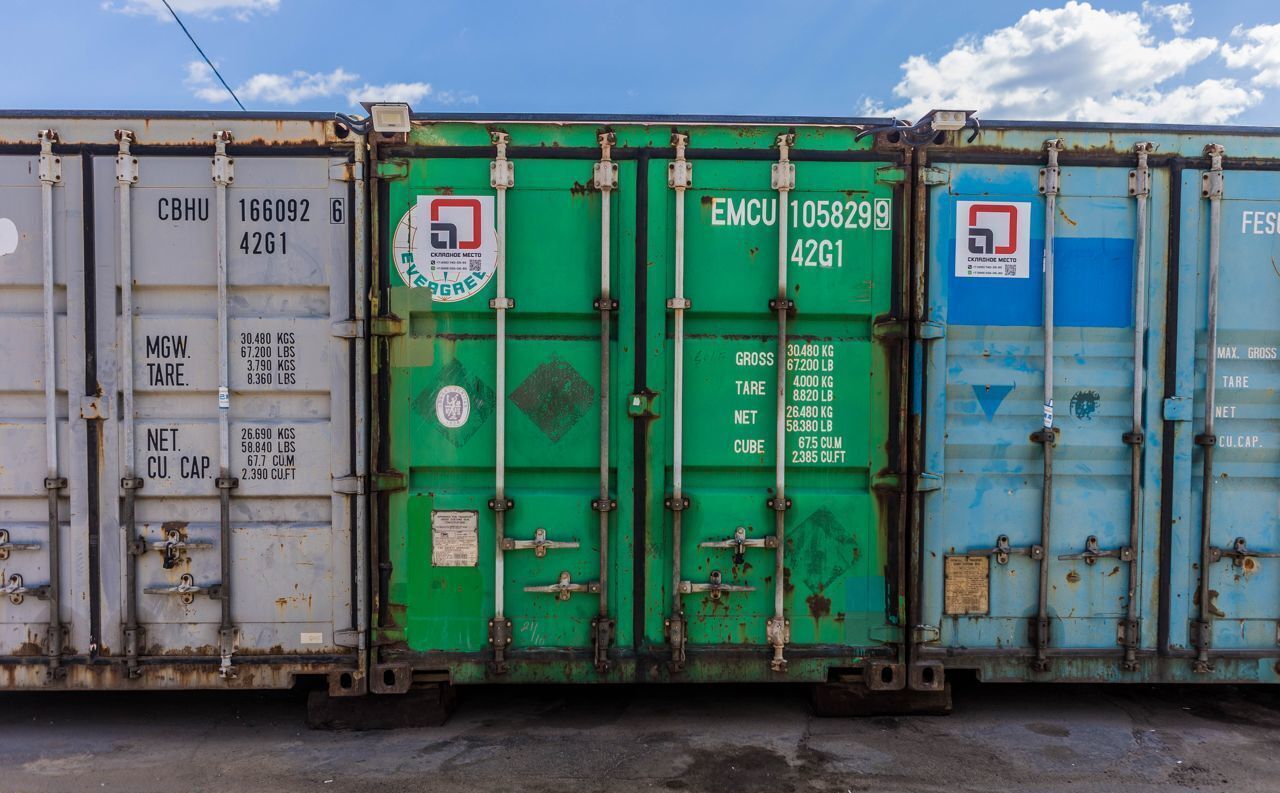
1189, 62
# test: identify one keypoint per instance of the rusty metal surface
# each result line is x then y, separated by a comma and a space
172, 130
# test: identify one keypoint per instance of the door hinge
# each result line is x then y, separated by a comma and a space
888, 481
923, 634
886, 634
1177, 409
891, 174
896, 174
927, 481
386, 325
346, 638
392, 169
349, 485
348, 329
934, 176
346, 172
387, 481
893, 329
893, 481
890, 329
930, 330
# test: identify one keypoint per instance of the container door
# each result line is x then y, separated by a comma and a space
1039, 540
1229, 619
228, 463
775, 413
44, 567
509, 546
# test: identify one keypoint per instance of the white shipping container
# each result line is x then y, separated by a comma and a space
208, 369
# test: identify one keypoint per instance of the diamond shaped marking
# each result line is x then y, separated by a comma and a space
554, 397
482, 402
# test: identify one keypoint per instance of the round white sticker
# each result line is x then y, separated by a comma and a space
8, 236
453, 406
448, 244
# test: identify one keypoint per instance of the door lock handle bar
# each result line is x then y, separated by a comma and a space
1092, 553
539, 544
17, 590
1238, 552
715, 587
7, 545
739, 542
1002, 550
565, 587
186, 589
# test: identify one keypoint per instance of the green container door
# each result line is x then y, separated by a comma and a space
833, 572
445, 397
444, 402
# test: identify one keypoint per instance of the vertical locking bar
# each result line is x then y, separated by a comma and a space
223, 175
784, 181
360, 348
1047, 435
501, 178
680, 179
1140, 189
50, 172
1212, 186
606, 180
130, 483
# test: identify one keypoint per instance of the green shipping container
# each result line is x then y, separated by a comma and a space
582, 326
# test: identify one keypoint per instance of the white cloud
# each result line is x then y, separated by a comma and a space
456, 98
295, 87
1075, 62
269, 89
208, 9
1178, 14
412, 93
301, 86
201, 82
1207, 102
1260, 52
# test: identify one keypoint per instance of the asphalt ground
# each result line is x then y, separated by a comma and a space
727, 739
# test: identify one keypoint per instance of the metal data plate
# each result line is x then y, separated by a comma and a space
968, 585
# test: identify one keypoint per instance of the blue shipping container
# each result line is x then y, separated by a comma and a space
1058, 531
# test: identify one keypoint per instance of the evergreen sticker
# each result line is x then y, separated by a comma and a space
448, 244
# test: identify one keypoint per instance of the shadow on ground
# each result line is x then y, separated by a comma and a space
729, 739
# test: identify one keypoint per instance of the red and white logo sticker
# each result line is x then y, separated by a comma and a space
447, 244
993, 239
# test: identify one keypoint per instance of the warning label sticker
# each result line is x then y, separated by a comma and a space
454, 538
447, 244
993, 239
967, 585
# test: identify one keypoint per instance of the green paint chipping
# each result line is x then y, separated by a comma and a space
841, 225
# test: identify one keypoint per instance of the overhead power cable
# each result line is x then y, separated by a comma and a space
202, 55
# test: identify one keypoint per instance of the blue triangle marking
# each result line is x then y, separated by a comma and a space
990, 397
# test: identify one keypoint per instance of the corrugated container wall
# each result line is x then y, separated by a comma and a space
1100, 327
191, 425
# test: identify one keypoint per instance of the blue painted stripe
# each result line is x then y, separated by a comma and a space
1093, 288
